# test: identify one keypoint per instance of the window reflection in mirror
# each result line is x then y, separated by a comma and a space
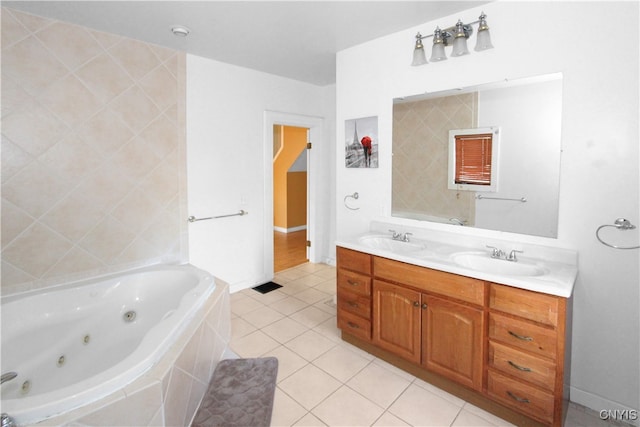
528, 113
473, 159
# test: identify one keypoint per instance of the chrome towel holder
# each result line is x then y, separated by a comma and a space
194, 219
352, 196
620, 224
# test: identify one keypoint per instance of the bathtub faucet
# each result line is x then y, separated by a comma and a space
7, 377
7, 421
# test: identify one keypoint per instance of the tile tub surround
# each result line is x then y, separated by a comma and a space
323, 380
93, 175
170, 392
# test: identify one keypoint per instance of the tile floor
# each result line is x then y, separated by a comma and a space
325, 381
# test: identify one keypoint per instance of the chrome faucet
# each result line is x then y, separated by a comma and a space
403, 237
495, 252
500, 254
7, 421
456, 221
8, 376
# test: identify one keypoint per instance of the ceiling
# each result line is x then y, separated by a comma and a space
293, 39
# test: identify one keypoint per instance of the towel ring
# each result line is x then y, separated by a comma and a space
620, 224
352, 196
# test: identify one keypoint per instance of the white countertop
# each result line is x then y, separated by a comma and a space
559, 265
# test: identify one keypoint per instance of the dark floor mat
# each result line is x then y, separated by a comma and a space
240, 394
267, 287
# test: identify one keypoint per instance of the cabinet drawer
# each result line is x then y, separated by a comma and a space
353, 260
355, 303
524, 335
439, 282
530, 305
354, 282
354, 325
528, 399
522, 365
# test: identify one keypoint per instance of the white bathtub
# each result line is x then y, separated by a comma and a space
77, 343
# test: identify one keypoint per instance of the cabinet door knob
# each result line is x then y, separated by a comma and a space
424, 306
520, 337
518, 367
416, 304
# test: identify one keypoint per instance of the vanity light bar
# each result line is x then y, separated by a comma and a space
455, 36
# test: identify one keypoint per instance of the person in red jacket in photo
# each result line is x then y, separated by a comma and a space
366, 146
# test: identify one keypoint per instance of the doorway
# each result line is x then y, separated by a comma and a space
289, 196
315, 126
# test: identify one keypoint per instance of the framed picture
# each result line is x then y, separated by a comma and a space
361, 143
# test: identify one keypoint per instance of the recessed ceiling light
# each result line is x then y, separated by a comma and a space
180, 31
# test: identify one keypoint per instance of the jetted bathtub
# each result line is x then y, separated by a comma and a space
75, 343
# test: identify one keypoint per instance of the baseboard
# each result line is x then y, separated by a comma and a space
289, 230
598, 403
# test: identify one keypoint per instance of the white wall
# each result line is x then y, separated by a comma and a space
225, 161
599, 178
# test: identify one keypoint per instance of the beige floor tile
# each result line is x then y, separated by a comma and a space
310, 345
309, 420
389, 420
284, 330
359, 351
329, 328
253, 345
388, 366
438, 391
310, 316
327, 273
418, 406
494, 420
294, 287
327, 305
291, 274
288, 306
328, 286
311, 267
286, 411
379, 384
309, 280
288, 361
269, 297
346, 407
262, 316
240, 328
469, 419
312, 296
244, 305
309, 386
341, 363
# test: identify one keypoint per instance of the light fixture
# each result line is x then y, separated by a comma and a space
180, 31
455, 36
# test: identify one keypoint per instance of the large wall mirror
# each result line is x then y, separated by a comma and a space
527, 114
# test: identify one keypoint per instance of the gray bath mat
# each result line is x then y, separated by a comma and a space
239, 394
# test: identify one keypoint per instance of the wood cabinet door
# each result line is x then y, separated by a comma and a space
396, 320
452, 340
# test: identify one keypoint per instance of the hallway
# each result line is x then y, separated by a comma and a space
289, 249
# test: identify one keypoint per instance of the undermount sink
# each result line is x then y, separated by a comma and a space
389, 244
484, 263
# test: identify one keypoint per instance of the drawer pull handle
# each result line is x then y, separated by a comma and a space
517, 398
353, 304
352, 282
520, 337
353, 325
518, 367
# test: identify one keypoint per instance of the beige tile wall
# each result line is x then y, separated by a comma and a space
93, 167
420, 156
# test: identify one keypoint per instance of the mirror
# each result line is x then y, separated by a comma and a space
527, 114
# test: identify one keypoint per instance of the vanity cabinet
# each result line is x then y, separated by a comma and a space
354, 292
503, 344
525, 366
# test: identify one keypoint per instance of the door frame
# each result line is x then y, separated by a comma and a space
315, 126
